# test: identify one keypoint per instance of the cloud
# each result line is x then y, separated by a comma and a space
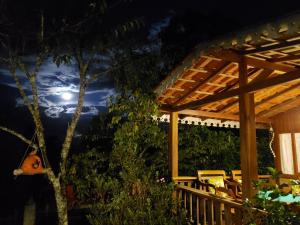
53, 81
157, 27
54, 111
87, 110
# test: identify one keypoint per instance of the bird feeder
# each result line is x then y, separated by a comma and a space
31, 165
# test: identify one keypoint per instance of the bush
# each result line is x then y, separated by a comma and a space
133, 189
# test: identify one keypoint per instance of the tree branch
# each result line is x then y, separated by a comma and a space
75, 118
20, 136
20, 88
34, 110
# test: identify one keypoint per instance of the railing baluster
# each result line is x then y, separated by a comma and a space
197, 210
184, 199
238, 215
191, 207
210, 212
227, 215
203, 208
203, 205
218, 212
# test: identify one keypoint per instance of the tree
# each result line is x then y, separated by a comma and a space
132, 189
80, 36
203, 148
137, 66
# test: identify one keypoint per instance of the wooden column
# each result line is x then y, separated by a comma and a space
247, 135
173, 144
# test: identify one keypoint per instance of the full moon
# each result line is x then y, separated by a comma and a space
66, 96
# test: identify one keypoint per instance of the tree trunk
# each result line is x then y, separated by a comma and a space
29, 212
61, 203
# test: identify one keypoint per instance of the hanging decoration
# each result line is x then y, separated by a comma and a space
272, 134
31, 164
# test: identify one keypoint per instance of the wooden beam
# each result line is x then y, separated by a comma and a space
285, 58
173, 144
286, 105
263, 75
235, 57
247, 135
221, 116
290, 76
283, 44
199, 70
291, 88
216, 85
204, 93
200, 84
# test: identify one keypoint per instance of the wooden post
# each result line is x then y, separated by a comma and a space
247, 135
173, 144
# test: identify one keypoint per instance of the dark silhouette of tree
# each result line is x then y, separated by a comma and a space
75, 32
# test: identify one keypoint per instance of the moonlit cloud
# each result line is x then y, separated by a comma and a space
54, 82
157, 27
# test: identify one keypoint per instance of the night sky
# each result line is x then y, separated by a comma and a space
58, 86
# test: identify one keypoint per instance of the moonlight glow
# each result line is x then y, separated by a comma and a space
66, 95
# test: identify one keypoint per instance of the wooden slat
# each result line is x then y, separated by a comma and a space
262, 75
210, 212
200, 84
280, 93
282, 44
203, 209
245, 89
286, 105
227, 215
191, 206
197, 210
204, 92
215, 84
234, 57
206, 195
200, 70
285, 58
187, 80
218, 214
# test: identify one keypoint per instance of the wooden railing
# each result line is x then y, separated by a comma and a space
208, 209
186, 181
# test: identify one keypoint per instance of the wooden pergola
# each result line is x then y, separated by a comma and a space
251, 77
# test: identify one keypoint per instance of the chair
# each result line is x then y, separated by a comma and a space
215, 181
236, 175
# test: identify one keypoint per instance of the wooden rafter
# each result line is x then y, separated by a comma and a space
294, 75
291, 88
235, 57
286, 105
285, 58
282, 44
263, 75
200, 84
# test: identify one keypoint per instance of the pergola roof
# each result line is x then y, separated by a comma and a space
207, 80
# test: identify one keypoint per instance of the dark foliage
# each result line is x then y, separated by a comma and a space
132, 190
202, 147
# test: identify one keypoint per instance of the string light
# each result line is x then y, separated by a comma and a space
271, 141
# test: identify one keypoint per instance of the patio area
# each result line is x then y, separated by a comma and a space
252, 77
